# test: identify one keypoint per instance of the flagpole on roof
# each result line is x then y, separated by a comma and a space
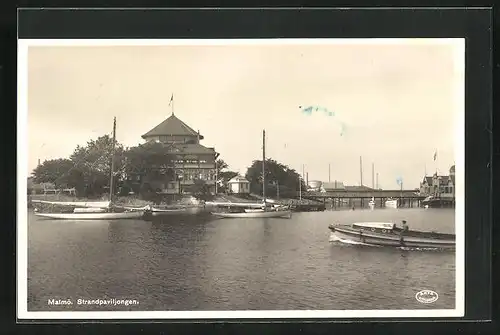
171, 103
435, 161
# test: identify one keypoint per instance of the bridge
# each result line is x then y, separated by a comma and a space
364, 194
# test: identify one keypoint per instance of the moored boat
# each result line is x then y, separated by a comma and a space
156, 211
266, 209
388, 234
255, 214
392, 203
93, 215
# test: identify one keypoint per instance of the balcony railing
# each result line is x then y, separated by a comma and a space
195, 166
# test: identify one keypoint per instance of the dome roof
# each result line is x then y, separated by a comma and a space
452, 169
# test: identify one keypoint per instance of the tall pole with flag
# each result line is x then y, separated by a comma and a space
435, 159
171, 103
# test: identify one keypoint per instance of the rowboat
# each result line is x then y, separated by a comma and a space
388, 234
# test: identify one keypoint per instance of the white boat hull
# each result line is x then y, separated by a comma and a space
164, 212
92, 216
372, 238
255, 215
391, 204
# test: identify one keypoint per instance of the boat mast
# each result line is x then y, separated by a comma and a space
264, 166
111, 186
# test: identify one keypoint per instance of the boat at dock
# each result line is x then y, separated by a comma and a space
388, 234
392, 203
88, 215
437, 202
265, 209
165, 211
255, 214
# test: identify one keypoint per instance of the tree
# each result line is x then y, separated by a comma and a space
276, 174
93, 164
153, 163
53, 171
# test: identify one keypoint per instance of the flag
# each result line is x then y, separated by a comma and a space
435, 155
399, 181
171, 99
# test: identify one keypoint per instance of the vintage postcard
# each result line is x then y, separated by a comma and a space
269, 178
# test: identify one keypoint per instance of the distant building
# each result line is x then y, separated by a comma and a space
314, 186
442, 186
332, 187
239, 185
192, 160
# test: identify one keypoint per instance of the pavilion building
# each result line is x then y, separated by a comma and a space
192, 161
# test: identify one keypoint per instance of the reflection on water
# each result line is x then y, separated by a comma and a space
235, 264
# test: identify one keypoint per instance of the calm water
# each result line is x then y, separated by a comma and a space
239, 264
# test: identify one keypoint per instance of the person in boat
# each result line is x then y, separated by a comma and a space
404, 229
405, 226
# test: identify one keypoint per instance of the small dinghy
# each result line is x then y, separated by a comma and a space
388, 234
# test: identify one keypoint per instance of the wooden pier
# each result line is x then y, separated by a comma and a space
360, 198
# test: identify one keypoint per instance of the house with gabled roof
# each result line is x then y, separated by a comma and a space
437, 185
192, 160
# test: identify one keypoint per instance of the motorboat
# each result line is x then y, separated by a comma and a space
388, 234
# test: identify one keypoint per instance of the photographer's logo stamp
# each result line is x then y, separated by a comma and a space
426, 296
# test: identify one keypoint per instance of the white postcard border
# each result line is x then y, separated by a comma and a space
22, 170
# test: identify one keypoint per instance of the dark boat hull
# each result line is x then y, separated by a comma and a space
410, 239
438, 203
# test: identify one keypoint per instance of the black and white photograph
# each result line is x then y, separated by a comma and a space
264, 178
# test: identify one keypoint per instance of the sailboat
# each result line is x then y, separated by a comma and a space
250, 210
99, 210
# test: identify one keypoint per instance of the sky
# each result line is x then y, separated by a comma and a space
397, 103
